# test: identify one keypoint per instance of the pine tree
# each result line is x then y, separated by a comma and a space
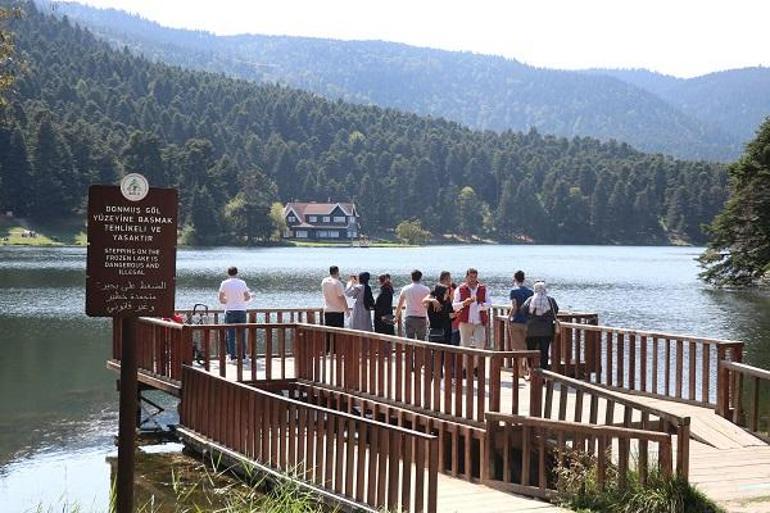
739, 251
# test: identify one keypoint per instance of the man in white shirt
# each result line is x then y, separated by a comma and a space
416, 321
472, 301
335, 303
234, 294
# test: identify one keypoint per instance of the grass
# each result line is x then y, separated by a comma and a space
50, 233
578, 489
178, 484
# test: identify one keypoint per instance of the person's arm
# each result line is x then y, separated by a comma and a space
457, 303
554, 305
401, 299
429, 300
246, 294
525, 306
222, 295
487, 304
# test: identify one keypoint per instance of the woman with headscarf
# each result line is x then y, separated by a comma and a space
359, 289
541, 310
383, 307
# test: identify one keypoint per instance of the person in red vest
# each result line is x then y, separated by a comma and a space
472, 301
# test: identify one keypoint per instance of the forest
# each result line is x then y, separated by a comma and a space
705, 117
82, 112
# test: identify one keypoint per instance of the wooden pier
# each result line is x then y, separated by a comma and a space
373, 421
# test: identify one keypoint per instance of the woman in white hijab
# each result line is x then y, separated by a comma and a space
541, 310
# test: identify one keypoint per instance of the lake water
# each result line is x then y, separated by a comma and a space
58, 405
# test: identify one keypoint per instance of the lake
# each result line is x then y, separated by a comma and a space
58, 405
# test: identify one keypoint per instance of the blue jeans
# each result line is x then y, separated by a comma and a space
234, 317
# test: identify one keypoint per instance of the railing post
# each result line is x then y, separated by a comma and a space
555, 353
495, 384
683, 449
187, 346
535, 393
723, 384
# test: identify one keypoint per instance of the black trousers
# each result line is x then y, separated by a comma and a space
544, 345
334, 319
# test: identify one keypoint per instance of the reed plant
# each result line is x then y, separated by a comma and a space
578, 488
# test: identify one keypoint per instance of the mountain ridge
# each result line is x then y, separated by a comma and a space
481, 91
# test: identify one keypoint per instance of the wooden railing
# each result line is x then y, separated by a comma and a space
437, 379
263, 351
546, 444
461, 447
734, 378
162, 347
568, 399
499, 336
372, 463
256, 315
678, 367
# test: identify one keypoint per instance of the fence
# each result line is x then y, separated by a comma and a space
461, 447
372, 463
548, 444
731, 404
444, 381
678, 367
568, 399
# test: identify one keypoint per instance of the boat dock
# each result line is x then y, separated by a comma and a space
376, 422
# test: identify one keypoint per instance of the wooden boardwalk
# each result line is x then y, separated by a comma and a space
652, 400
728, 463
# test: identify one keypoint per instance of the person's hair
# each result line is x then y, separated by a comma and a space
383, 278
416, 275
471, 270
232, 270
363, 278
334, 270
519, 276
444, 275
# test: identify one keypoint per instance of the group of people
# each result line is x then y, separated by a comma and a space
448, 313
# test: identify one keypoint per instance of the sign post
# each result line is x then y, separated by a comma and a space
130, 272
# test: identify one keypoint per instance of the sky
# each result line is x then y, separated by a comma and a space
683, 38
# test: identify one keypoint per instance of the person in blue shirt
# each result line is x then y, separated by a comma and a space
517, 321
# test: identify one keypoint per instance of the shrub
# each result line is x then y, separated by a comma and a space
578, 489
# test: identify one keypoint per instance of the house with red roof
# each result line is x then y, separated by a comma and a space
321, 221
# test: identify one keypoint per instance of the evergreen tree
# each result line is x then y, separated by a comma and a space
739, 250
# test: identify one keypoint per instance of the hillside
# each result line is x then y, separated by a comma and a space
736, 101
480, 91
83, 112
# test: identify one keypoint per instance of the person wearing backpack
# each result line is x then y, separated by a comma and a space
358, 288
541, 310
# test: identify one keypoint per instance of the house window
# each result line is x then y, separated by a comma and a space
301, 234
313, 219
352, 234
334, 235
323, 234
352, 219
339, 219
292, 219
327, 219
